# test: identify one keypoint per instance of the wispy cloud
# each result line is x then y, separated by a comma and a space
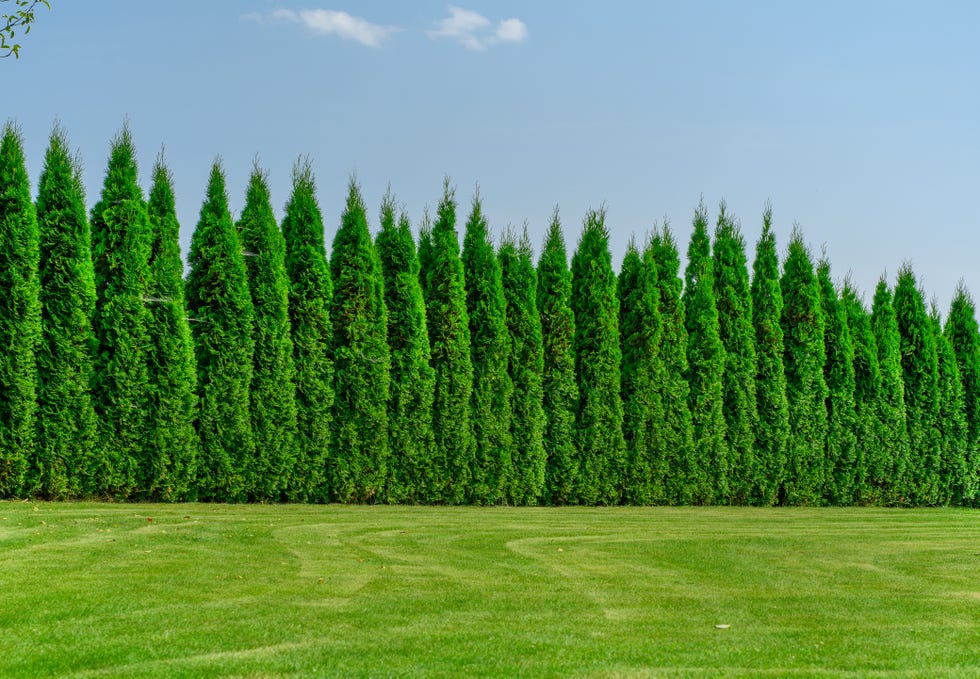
475, 31
334, 22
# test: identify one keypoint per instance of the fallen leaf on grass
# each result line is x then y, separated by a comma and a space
722, 626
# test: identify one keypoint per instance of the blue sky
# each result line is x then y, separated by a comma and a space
859, 121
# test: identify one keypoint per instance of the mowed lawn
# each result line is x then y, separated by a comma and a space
94, 590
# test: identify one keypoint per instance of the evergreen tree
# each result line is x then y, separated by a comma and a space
734, 304
870, 458
172, 373
310, 295
558, 378
955, 484
449, 338
63, 465
840, 449
20, 315
525, 367
920, 372
806, 391
120, 389
357, 465
641, 373
964, 337
681, 466
273, 390
489, 350
410, 438
894, 426
220, 308
599, 417
706, 367
772, 431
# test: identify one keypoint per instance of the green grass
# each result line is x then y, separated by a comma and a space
95, 590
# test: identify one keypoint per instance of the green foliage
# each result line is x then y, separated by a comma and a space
357, 465
525, 367
599, 417
310, 299
20, 315
449, 339
840, 452
410, 437
772, 429
273, 390
806, 391
681, 465
964, 337
172, 373
558, 378
706, 368
220, 308
21, 18
734, 303
955, 483
120, 388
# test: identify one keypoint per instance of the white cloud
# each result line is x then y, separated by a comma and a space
475, 31
333, 22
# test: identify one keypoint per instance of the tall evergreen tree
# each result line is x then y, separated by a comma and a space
599, 417
920, 372
173, 441
489, 350
642, 374
410, 438
706, 367
357, 465
772, 431
525, 367
63, 464
272, 391
734, 303
310, 295
220, 308
894, 424
681, 466
806, 391
449, 338
558, 379
964, 337
20, 315
840, 450
121, 253
955, 484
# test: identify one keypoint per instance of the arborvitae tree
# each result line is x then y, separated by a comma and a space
20, 315
955, 484
642, 375
599, 417
273, 390
489, 349
310, 295
681, 466
806, 390
734, 303
425, 252
449, 338
891, 406
63, 464
706, 367
920, 371
220, 308
840, 450
772, 431
870, 477
558, 381
357, 466
121, 253
410, 440
525, 367
173, 441
964, 337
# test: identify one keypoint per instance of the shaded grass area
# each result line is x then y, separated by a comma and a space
96, 590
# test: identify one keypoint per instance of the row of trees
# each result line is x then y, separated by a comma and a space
396, 371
